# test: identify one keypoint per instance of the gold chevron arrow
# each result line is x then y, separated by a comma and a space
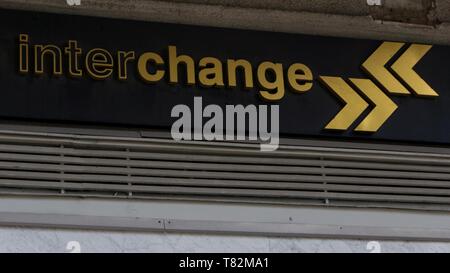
384, 106
375, 66
403, 67
353, 108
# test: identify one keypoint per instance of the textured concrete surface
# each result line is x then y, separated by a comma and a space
408, 11
425, 21
69, 241
346, 7
443, 10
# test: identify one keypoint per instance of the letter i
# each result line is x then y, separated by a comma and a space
23, 53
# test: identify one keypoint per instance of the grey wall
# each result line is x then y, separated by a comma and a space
408, 20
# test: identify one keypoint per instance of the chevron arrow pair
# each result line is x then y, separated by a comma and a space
375, 66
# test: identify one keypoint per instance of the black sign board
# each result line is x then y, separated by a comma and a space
130, 73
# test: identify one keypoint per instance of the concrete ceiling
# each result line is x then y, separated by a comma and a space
408, 20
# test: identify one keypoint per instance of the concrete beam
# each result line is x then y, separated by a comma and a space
242, 219
429, 19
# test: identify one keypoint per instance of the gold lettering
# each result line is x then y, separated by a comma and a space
207, 71
277, 84
174, 61
99, 63
23, 53
47, 50
73, 52
142, 67
300, 72
232, 70
122, 60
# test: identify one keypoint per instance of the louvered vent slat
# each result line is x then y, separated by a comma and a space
107, 167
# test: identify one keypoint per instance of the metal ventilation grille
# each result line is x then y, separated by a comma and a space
107, 167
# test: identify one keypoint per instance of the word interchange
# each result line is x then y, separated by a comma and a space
270, 78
